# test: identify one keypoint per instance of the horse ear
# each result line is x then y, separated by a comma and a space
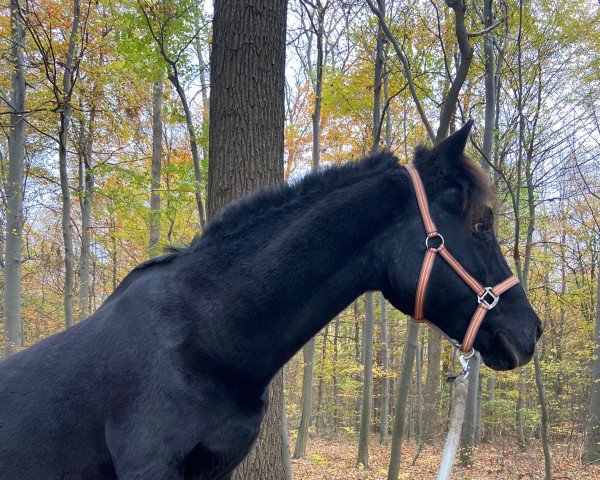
452, 148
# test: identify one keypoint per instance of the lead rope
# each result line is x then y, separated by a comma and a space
459, 403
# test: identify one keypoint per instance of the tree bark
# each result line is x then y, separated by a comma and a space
247, 99
367, 395
157, 127
13, 327
246, 153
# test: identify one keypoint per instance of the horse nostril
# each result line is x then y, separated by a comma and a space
539, 331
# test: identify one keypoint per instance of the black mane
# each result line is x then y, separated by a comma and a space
268, 202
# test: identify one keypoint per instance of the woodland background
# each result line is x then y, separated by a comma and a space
104, 119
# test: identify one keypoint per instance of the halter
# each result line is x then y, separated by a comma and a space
487, 297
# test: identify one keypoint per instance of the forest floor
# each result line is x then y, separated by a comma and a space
336, 460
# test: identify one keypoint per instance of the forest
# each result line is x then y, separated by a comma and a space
106, 127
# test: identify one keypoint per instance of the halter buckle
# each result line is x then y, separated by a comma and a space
484, 298
434, 235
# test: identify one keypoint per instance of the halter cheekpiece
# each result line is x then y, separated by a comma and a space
487, 297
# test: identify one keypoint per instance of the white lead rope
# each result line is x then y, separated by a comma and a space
459, 402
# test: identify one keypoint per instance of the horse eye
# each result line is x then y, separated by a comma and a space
480, 227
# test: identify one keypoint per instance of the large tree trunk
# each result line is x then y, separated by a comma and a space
246, 100
592, 444
157, 93
13, 329
246, 153
367, 392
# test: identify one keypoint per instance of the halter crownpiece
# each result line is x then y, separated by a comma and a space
487, 297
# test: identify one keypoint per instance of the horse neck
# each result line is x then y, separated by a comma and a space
287, 289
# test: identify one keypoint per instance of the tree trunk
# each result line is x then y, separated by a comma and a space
434, 355
479, 406
367, 396
336, 389
592, 444
470, 419
13, 328
307, 395
247, 99
490, 91
86, 194
309, 349
385, 381
544, 407
63, 136
488, 431
246, 153
157, 93
408, 357
174, 79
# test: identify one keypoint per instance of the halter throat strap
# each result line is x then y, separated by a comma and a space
487, 297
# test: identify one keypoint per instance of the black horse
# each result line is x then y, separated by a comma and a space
167, 379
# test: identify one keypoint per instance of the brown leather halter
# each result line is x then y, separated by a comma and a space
487, 297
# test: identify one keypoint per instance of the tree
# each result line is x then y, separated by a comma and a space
157, 132
13, 328
165, 23
62, 75
246, 153
317, 27
367, 389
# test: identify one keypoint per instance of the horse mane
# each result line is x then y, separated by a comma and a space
284, 195
267, 203
477, 194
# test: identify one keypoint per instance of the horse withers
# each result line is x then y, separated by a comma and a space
167, 379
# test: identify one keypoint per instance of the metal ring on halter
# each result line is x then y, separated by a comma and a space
464, 356
434, 235
482, 299
464, 361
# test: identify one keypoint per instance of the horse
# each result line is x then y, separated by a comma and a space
167, 379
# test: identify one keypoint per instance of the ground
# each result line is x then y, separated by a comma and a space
335, 460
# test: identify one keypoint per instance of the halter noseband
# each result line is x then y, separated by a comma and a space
487, 297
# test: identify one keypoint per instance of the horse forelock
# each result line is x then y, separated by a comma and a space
477, 194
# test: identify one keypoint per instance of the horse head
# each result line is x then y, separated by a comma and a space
460, 204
